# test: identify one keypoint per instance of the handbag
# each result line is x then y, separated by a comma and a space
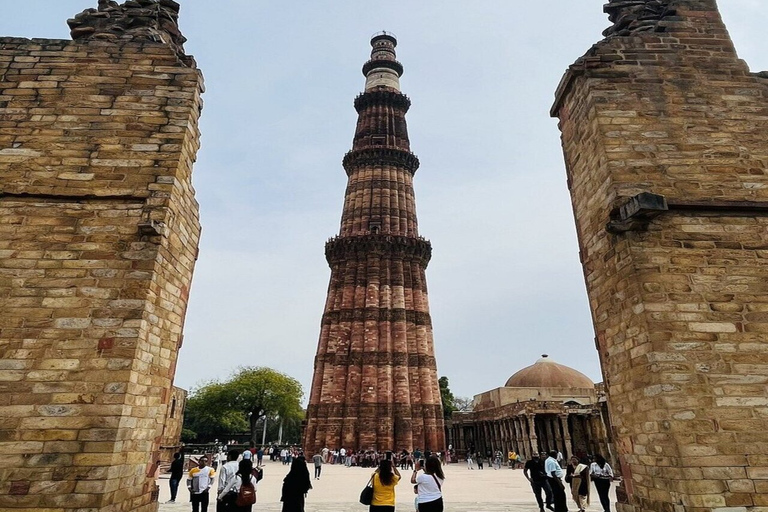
366, 497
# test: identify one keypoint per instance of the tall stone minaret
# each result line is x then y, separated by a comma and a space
375, 380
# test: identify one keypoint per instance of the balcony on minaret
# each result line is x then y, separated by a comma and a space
383, 71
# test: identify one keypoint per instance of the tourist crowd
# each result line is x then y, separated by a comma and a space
551, 478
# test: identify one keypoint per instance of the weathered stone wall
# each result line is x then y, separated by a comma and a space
170, 441
678, 292
98, 238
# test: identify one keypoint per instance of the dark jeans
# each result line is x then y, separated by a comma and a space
200, 502
603, 485
432, 506
318, 469
537, 488
381, 508
174, 484
558, 495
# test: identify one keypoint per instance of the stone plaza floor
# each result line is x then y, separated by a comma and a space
339, 488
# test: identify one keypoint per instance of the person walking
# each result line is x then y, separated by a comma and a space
479, 459
384, 479
226, 476
242, 477
602, 474
318, 460
199, 483
470, 461
296, 485
577, 474
177, 472
555, 474
429, 485
534, 472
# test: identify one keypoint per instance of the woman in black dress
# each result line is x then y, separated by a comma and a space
296, 484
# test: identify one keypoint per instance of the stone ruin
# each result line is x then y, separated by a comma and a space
134, 20
664, 134
99, 232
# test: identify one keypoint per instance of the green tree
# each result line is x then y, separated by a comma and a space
220, 408
447, 397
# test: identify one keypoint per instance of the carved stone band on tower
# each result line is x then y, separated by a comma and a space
375, 380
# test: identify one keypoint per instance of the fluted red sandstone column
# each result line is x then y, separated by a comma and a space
375, 381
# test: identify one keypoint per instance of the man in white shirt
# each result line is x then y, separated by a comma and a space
199, 482
226, 475
342, 455
555, 474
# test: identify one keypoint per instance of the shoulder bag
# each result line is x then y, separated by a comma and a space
366, 497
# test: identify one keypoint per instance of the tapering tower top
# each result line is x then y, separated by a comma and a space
383, 70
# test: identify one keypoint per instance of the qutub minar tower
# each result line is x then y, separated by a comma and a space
375, 380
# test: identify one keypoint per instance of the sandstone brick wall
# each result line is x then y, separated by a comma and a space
170, 441
679, 300
98, 239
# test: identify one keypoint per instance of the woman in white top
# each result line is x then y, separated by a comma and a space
429, 485
229, 493
602, 474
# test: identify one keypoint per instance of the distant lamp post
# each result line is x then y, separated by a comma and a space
264, 434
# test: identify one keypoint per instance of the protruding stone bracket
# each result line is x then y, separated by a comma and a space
152, 228
635, 214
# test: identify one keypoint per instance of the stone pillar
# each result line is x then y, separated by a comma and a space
566, 436
556, 424
520, 445
510, 435
549, 434
99, 238
532, 432
664, 134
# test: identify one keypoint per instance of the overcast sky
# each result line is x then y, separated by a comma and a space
505, 283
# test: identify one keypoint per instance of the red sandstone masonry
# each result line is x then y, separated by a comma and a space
375, 380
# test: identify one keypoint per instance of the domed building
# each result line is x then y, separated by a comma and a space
545, 406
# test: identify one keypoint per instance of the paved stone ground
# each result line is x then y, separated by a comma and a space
339, 488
